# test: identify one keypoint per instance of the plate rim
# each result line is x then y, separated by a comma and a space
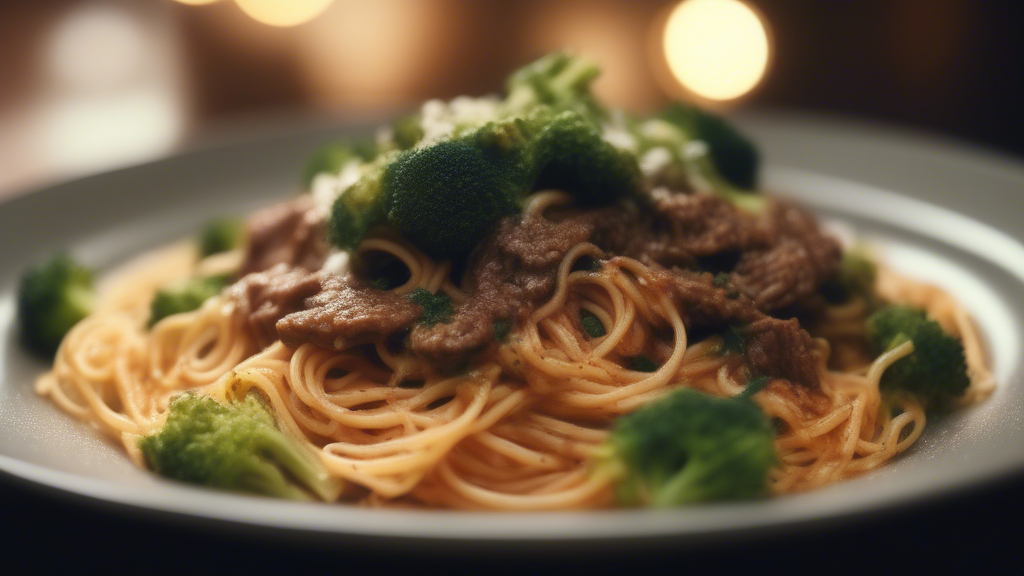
483, 529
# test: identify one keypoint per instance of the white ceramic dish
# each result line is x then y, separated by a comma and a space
939, 211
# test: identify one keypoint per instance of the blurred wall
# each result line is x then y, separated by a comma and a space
939, 65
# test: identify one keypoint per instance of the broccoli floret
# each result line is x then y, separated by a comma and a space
220, 236
52, 298
333, 157
691, 140
235, 447
437, 308
444, 198
735, 157
185, 296
572, 156
502, 328
591, 324
558, 80
360, 207
643, 364
855, 277
406, 131
690, 447
936, 370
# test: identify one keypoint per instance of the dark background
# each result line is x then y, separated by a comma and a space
937, 66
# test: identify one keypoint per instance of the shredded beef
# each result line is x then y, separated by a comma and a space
781, 258
774, 347
288, 233
512, 269
705, 225
266, 297
297, 306
781, 348
790, 270
347, 311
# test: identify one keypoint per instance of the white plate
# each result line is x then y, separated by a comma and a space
940, 211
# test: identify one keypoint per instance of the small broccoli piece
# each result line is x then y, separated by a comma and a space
690, 447
437, 308
444, 198
936, 370
733, 341
573, 157
52, 298
221, 235
362, 206
558, 80
185, 296
502, 328
234, 447
735, 157
855, 277
591, 324
406, 131
643, 364
333, 157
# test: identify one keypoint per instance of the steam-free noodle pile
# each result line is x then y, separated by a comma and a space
520, 429
488, 304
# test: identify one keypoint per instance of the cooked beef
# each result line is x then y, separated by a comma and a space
701, 303
513, 269
790, 270
773, 347
781, 259
705, 225
297, 306
781, 348
288, 233
266, 297
347, 311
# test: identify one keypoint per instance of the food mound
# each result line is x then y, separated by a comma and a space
519, 302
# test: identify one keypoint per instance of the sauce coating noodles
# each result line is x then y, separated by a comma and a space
519, 431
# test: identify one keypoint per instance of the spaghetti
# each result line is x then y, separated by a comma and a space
520, 429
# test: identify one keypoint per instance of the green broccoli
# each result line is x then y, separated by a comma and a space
406, 131
221, 236
502, 328
444, 198
235, 447
558, 80
591, 324
734, 156
333, 157
574, 157
52, 298
437, 308
690, 447
643, 364
362, 206
185, 296
855, 277
936, 371
692, 138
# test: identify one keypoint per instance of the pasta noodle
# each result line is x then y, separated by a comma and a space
521, 429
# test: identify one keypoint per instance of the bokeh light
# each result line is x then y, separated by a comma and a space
283, 12
96, 48
717, 49
196, 2
604, 32
367, 56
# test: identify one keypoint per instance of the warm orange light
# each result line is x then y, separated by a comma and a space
283, 12
365, 55
196, 2
718, 49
